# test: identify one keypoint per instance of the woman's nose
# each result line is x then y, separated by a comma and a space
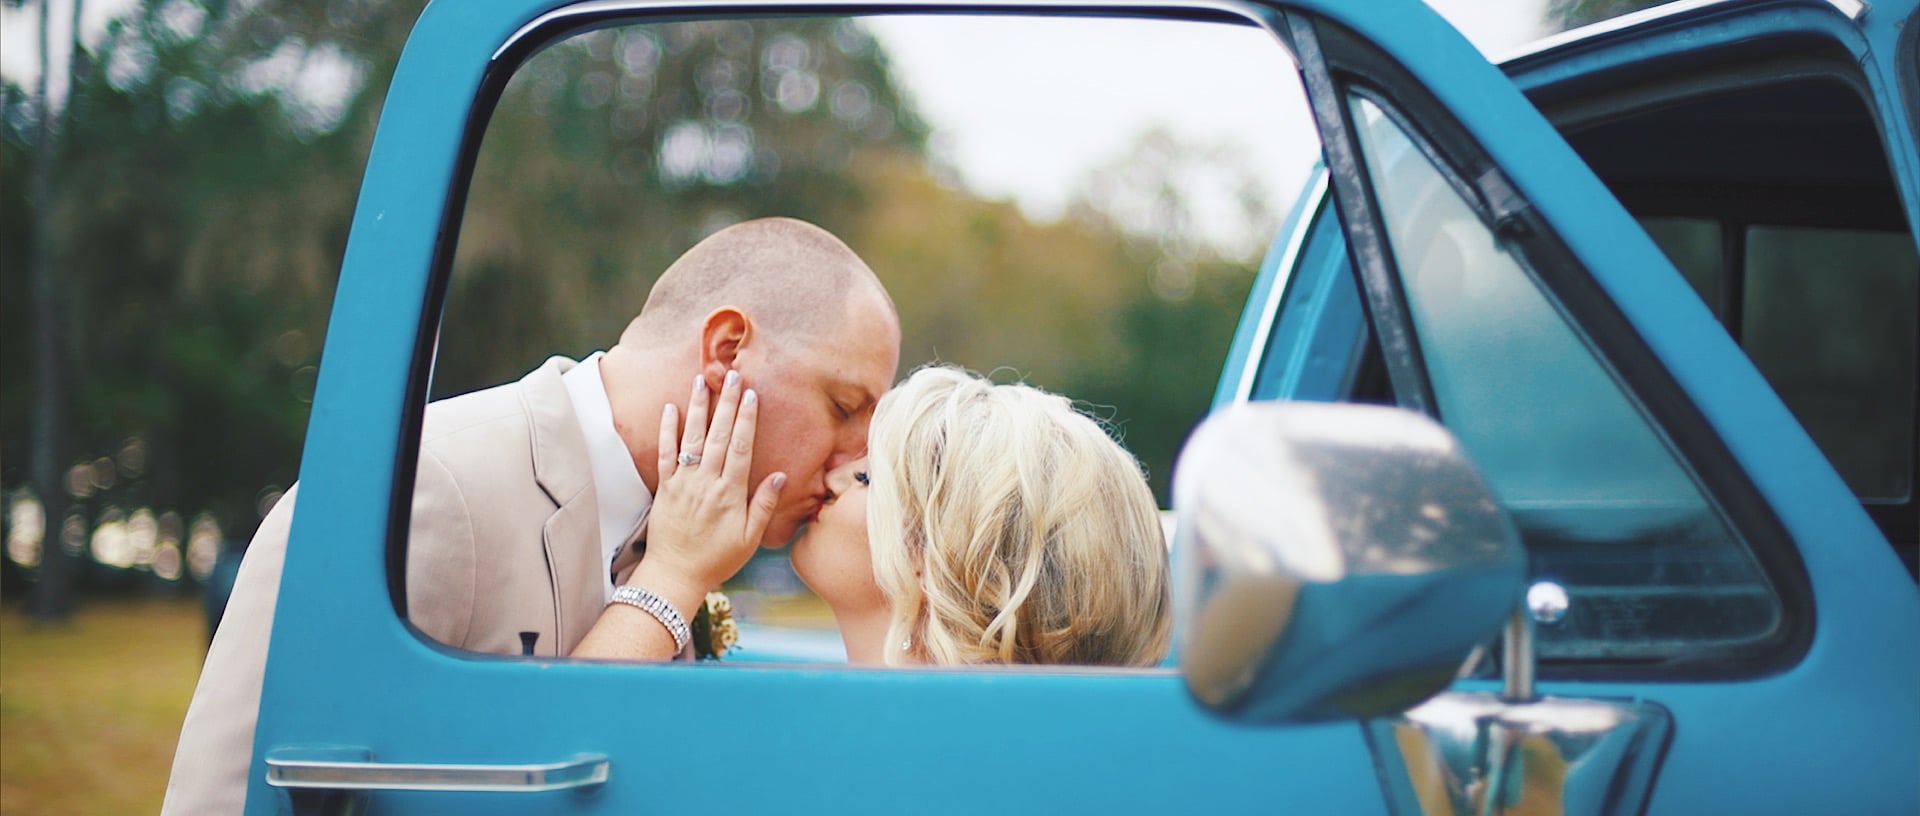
845, 477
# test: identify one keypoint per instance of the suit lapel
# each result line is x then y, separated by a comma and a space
571, 536
572, 539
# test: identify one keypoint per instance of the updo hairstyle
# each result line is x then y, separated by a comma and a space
1007, 527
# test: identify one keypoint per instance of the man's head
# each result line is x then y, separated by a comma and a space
802, 319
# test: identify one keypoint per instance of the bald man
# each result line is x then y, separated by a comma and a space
533, 495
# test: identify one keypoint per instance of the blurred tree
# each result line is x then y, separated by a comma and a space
207, 169
51, 595
613, 151
208, 172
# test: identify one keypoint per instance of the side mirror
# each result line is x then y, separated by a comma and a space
1333, 561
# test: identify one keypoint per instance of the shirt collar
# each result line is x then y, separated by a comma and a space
622, 497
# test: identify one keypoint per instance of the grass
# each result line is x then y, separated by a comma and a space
90, 710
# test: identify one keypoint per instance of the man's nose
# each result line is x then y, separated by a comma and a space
841, 459
851, 446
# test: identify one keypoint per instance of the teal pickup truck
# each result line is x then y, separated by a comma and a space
1656, 279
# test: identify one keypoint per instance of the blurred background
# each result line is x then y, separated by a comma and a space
1086, 224
1077, 204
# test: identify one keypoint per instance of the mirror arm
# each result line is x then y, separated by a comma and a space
1516, 657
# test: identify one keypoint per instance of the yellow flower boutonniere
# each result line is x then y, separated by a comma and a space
714, 632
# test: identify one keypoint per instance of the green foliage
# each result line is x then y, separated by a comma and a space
612, 152
605, 160
203, 202
201, 210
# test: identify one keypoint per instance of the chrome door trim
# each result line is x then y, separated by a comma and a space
1481, 754
1217, 10
1289, 259
1853, 9
316, 770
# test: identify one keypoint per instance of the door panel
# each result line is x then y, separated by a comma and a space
747, 738
1859, 655
346, 671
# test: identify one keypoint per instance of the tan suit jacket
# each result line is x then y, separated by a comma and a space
504, 539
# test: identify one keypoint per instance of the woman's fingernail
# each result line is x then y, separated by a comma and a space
779, 480
699, 382
750, 398
733, 378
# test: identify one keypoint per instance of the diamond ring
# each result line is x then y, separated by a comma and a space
689, 459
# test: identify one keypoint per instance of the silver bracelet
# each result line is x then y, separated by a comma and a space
660, 610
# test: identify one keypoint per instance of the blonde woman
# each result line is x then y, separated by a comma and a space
990, 524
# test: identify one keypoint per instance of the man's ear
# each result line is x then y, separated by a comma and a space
726, 331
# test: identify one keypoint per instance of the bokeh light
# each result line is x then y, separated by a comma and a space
26, 528
110, 545
796, 91
852, 102
683, 152
167, 561
80, 480
638, 52
133, 456
1173, 280
264, 501
73, 534
291, 348
303, 381
143, 537
181, 20
102, 473
171, 533
203, 546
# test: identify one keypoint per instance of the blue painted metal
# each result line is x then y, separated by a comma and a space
1318, 336
1873, 40
345, 671
1854, 687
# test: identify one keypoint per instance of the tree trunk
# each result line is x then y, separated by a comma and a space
53, 593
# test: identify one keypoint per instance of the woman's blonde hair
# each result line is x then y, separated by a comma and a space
1006, 527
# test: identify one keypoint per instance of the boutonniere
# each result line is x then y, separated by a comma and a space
714, 632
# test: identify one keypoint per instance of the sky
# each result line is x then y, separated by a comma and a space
20, 37
1027, 109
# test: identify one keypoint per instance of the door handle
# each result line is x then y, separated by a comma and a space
336, 769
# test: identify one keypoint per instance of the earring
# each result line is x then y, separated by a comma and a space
860, 476
907, 642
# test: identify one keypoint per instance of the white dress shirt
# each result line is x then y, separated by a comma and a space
624, 500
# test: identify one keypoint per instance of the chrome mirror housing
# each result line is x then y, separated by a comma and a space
1333, 561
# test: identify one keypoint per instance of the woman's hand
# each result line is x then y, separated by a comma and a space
703, 526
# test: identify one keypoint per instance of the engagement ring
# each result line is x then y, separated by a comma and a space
689, 459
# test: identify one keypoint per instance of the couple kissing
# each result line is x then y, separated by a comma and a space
588, 508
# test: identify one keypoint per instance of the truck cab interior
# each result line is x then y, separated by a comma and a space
1763, 175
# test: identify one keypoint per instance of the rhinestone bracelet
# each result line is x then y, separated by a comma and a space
660, 610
